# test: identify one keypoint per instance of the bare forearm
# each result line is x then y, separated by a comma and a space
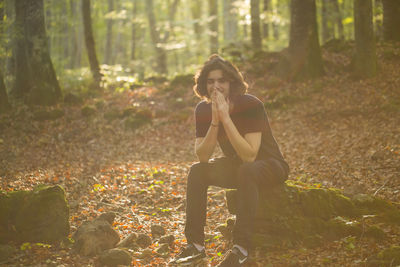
205, 148
244, 150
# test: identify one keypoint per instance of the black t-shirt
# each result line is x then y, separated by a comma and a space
249, 116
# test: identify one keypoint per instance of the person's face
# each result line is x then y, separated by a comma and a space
217, 81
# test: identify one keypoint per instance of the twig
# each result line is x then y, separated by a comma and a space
379, 189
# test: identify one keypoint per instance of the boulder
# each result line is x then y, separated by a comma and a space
115, 257
296, 213
40, 215
93, 237
387, 257
157, 230
143, 240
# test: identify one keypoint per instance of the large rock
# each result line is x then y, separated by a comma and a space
40, 215
293, 214
93, 237
115, 257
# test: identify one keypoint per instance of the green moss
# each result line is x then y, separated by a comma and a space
390, 255
40, 215
88, 111
385, 210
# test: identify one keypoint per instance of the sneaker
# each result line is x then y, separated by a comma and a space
234, 258
189, 255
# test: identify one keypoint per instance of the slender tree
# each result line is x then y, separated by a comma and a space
38, 77
134, 29
391, 20
327, 30
4, 104
338, 18
161, 54
304, 48
230, 22
109, 36
213, 25
90, 43
364, 61
196, 8
75, 55
266, 23
255, 24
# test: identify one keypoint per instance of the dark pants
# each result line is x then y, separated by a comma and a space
246, 177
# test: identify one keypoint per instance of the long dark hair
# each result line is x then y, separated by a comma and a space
237, 84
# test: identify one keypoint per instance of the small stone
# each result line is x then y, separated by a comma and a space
143, 240
167, 239
146, 254
157, 230
115, 257
164, 248
128, 242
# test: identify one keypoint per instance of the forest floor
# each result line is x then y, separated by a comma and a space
334, 131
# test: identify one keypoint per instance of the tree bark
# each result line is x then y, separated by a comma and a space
364, 61
304, 48
4, 104
109, 36
255, 24
325, 21
213, 25
90, 43
196, 8
133, 44
230, 22
74, 56
266, 24
40, 78
161, 54
391, 20
338, 18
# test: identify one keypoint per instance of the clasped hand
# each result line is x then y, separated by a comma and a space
220, 107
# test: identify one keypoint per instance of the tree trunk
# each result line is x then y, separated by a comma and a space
364, 61
391, 20
230, 22
196, 8
133, 44
90, 44
255, 24
155, 37
10, 47
109, 35
275, 26
22, 71
304, 48
338, 18
266, 24
72, 35
213, 25
325, 19
4, 104
40, 78
171, 16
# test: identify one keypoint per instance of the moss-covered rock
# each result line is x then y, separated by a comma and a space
137, 118
40, 215
88, 111
293, 214
387, 257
